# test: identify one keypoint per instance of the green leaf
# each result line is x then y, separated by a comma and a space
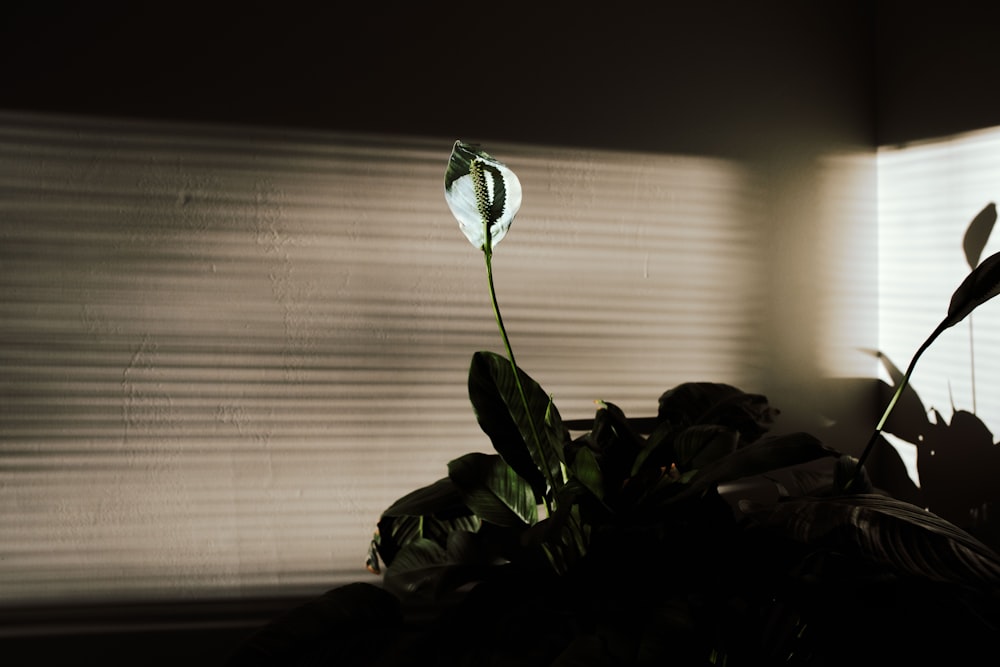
586, 469
395, 533
432, 512
757, 458
563, 537
615, 444
556, 436
442, 498
695, 403
493, 490
426, 568
501, 415
981, 285
891, 532
697, 446
657, 451
978, 233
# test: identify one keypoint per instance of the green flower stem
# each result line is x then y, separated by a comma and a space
972, 363
892, 403
488, 253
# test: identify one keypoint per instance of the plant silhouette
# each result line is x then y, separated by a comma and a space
957, 460
957, 463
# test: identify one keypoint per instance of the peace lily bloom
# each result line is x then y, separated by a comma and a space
484, 194
481, 192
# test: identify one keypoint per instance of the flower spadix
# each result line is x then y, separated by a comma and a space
482, 193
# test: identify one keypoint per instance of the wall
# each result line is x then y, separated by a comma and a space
226, 351
778, 99
936, 66
727, 80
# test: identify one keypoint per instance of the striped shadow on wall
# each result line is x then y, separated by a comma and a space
226, 351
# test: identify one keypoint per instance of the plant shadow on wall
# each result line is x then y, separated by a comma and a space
958, 462
694, 537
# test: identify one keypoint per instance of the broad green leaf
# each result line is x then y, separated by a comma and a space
891, 532
493, 490
694, 403
757, 458
556, 434
978, 233
586, 469
563, 537
699, 445
442, 498
402, 529
431, 512
658, 450
425, 568
981, 285
395, 533
500, 411
417, 567
616, 445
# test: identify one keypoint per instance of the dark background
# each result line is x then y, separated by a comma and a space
597, 75
530, 71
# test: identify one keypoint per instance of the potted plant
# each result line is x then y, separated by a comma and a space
692, 537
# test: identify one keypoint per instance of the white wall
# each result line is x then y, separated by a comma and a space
226, 352
227, 348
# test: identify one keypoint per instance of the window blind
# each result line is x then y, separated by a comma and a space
226, 350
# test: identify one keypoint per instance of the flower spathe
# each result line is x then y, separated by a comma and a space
481, 192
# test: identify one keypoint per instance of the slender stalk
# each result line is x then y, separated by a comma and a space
488, 254
484, 195
892, 403
972, 363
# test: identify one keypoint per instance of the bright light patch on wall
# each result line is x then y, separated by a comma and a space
842, 267
928, 195
226, 351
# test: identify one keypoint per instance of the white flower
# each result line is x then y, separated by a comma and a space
481, 191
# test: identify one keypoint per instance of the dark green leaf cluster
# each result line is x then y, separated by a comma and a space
691, 537
730, 529
544, 501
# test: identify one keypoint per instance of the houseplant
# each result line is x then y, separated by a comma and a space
692, 537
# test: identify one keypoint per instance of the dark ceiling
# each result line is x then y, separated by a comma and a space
549, 72
544, 72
